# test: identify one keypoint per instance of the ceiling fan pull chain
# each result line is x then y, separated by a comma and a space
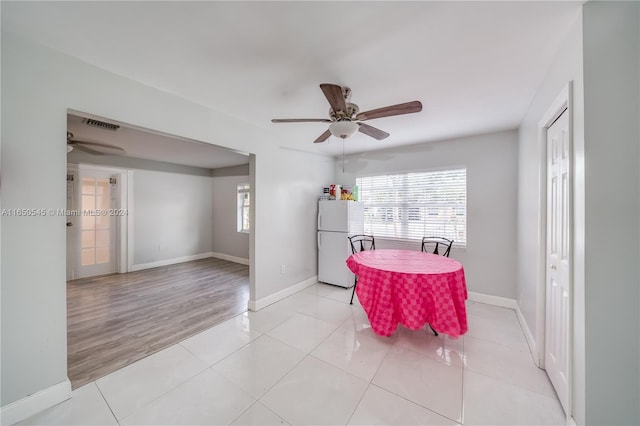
342, 155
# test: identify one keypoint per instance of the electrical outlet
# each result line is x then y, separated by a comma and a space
283, 269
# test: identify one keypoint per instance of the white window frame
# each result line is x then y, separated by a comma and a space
441, 192
243, 203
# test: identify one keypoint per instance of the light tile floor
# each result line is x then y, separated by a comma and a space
313, 359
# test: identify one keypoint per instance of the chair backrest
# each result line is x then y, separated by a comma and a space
437, 245
362, 243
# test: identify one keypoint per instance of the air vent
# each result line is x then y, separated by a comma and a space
101, 124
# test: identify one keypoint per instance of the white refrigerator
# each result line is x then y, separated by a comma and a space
337, 220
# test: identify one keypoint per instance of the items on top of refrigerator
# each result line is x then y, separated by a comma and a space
349, 192
340, 192
325, 193
334, 191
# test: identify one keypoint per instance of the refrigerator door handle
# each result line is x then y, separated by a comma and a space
318, 241
319, 221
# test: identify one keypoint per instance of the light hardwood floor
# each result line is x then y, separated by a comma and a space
115, 320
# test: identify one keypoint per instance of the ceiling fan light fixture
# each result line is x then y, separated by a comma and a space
343, 129
345, 117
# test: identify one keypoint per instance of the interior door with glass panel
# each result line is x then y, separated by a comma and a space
95, 233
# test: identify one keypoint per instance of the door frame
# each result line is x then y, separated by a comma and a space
124, 224
562, 102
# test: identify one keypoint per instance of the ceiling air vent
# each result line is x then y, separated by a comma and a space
101, 124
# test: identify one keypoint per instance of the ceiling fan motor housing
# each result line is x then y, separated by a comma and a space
352, 110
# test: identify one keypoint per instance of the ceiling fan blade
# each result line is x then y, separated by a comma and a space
301, 120
323, 137
405, 108
97, 148
372, 131
333, 93
87, 149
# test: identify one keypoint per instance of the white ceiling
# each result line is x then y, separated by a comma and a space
475, 66
142, 143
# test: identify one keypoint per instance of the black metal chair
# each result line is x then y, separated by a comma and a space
360, 243
439, 244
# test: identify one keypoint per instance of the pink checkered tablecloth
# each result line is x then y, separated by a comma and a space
411, 288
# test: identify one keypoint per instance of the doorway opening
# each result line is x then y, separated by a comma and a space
146, 265
97, 214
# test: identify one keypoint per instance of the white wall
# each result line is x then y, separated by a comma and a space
39, 82
601, 55
171, 209
566, 67
491, 162
171, 214
612, 205
225, 237
291, 187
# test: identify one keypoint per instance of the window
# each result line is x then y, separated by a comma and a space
243, 208
415, 205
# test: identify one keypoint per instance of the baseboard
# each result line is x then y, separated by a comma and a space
256, 305
33, 404
230, 258
503, 302
527, 334
165, 262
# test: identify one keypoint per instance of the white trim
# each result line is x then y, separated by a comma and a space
124, 224
130, 221
562, 102
230, 258
33, 404
165, 262
503, 302
559, 104
531, 341
256, 305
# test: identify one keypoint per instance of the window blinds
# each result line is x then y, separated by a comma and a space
415, 205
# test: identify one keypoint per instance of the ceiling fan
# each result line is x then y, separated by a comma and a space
346, 118
95, 148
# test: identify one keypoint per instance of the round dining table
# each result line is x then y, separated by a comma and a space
411, 288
